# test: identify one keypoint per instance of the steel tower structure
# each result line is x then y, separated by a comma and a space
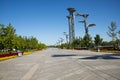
85, 22
71, 24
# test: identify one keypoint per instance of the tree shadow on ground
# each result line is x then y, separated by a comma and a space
104, 56
63, 55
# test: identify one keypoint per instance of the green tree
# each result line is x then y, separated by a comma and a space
28, 44
7, 35
78, 42
112, 31
34, 43
41, 46
9, 40
1, 36
87, 40
19, 42
98, 40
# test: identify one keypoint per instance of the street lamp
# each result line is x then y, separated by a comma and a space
61, 40
66, 35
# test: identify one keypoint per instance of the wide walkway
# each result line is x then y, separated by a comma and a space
58, 64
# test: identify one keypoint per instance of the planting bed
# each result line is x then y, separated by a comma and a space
10, 54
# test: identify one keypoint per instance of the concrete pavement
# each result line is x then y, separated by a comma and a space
58, 64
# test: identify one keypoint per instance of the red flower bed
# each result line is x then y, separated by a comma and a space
11, 54
80, 48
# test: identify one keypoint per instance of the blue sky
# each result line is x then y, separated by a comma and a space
46, 19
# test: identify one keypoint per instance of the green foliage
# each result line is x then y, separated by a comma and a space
78, 42
6, 36
41, 46
98, 40
87, 41
63, 45
114, 34
10, 40
112, 31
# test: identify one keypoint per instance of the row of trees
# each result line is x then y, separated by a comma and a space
88, 42
9, 40
85, 42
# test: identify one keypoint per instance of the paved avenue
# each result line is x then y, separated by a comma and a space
58, 64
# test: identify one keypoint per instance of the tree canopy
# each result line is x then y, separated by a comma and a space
112, 31
98, 40
10, 40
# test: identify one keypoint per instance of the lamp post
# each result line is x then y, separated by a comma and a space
66, 36
61, 41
